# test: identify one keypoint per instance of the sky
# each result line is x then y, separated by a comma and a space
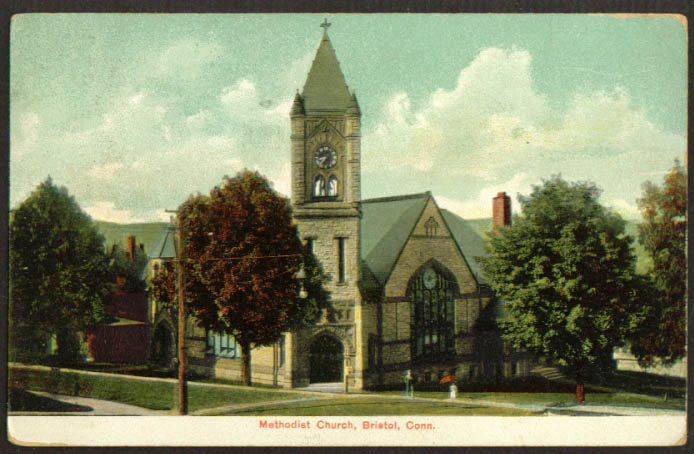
134, 113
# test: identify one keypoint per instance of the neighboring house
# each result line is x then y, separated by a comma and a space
126, 339
162, 346
627, 361
406, 290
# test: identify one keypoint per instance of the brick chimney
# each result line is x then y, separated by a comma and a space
501, 210
130, 248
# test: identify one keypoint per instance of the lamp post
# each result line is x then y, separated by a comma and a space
301, 276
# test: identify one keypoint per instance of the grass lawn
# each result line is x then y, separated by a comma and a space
370, 406
157, 395
561, 399
207, 397
150, 394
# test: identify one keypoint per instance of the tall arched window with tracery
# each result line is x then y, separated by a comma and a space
432, 304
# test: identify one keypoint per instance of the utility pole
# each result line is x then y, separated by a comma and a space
182, 394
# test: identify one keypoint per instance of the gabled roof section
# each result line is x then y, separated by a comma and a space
325, 89
386, 225
469, 241
165, 247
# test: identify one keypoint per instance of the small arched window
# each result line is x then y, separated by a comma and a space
319, 186
431, 226
332, 186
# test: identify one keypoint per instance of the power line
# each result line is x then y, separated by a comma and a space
241, 258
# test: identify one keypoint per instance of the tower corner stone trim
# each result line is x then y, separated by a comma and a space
501, 210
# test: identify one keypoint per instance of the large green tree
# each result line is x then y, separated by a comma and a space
661, 337
59, 273
565, 272
242, 255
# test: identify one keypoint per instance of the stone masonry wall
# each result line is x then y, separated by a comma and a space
324, 233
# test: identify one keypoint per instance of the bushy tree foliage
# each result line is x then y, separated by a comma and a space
661, 337
565, 272
128, 269
59, 275
242, 253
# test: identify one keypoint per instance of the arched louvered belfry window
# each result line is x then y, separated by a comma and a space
332, 186
319, 186
432, 304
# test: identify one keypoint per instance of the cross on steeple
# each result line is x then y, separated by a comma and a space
325, 25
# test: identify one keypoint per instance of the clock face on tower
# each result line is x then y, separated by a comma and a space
325, 157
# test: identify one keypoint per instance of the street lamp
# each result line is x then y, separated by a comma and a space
300, 276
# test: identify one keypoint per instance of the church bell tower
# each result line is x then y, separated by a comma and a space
326, 170
325, 121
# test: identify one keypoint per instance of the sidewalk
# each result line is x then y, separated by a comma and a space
570, 409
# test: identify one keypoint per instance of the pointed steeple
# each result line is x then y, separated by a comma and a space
325, 89
297, 106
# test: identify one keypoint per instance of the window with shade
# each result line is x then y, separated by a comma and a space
223, 345
432, 298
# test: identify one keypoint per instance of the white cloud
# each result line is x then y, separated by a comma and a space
494, 131
137, 99
282, 180
494, 121
480, 206
199, 120
162, 215
187, 58
106, 211
233, 164
105, 171
28, 135
625, 209
493, 97
244, 105
295, 76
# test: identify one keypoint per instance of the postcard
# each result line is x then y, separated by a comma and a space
347, 229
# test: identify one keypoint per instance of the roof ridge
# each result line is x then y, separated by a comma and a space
398, 197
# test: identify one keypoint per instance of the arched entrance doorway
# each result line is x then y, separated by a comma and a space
326, 359
163, 346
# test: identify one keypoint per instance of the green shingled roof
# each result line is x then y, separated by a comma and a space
469, 241
325, 89
387, 223
165, 247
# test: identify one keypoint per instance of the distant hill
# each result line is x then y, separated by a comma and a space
145, 233
643, 262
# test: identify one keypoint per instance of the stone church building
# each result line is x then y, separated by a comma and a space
406, 290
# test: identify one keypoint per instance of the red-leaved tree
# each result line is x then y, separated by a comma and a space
242, 255
661, 337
